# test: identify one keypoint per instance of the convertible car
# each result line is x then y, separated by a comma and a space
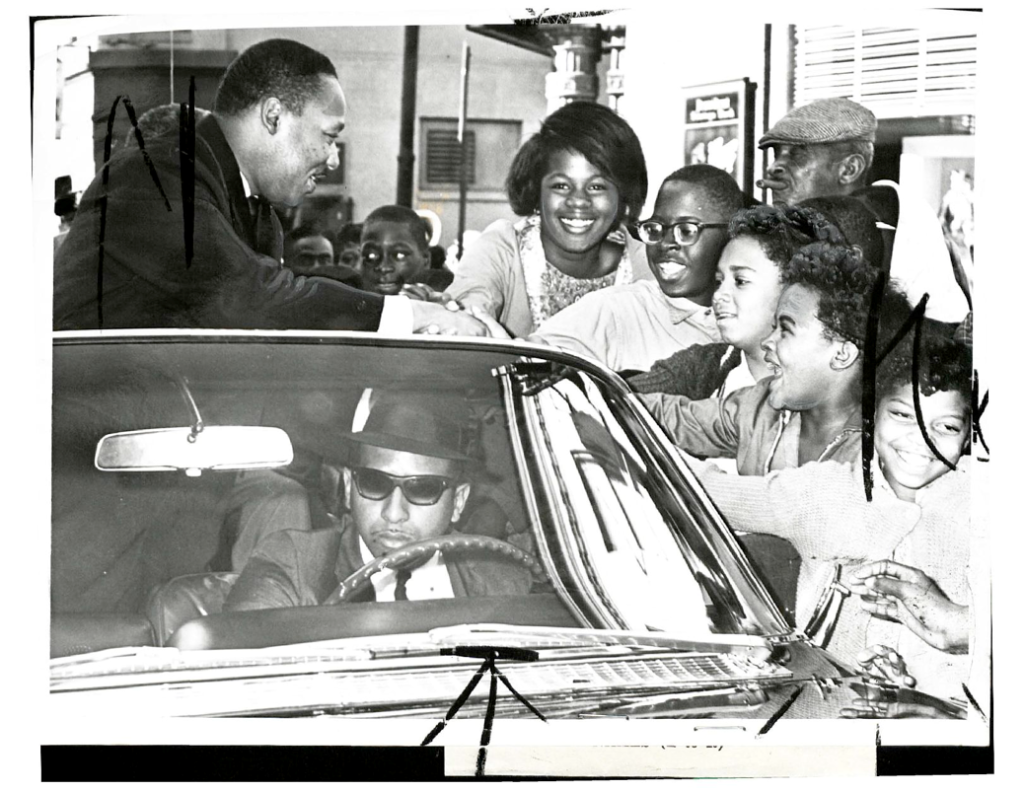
643, 604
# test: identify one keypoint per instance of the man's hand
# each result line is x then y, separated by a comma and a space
880, 660
878, 702
494, 327
907, 595
447, 319
424, 293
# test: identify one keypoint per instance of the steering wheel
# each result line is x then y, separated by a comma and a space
407, 555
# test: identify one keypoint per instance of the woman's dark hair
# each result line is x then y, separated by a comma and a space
782, 230
844, 282
600, 135
944, 364
291, 71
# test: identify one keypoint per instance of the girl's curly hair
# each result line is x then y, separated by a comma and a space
944, 364
782, 230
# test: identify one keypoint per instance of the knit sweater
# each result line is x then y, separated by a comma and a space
695, 372
822, 509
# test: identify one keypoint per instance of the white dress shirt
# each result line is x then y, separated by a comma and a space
429, 580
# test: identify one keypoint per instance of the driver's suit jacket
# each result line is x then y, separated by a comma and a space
297, 568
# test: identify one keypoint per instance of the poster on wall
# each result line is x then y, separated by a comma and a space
719, 128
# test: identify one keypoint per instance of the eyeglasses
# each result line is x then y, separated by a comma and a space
685, 233
418, 489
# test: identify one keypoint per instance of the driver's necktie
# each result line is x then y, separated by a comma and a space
401, 578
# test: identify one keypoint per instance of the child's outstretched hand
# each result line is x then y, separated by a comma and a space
907, 595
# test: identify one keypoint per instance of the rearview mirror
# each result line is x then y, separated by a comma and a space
212, 448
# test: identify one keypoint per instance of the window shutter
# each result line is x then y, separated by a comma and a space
443, 156
895, 72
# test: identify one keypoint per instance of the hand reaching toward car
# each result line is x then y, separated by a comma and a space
880, 660
907, 595
424, 293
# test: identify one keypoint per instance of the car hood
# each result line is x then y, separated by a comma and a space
575, 672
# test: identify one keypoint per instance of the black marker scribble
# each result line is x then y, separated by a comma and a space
130, 109
108, 144
977, 410
187, 154
871, 363
915, 371
867, 395
489, 654
778, 715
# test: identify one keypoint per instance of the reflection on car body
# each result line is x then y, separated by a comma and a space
649, 609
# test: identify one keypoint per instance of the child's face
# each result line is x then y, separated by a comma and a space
687, 271
906, 461
748, 293
350, 256
798, 353
392, 256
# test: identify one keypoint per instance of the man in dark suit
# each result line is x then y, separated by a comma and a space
408, 481
143, 252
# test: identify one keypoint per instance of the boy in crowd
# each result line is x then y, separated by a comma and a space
348, 243
914, 596
809, 409
630, 327
308, 251
761, 240
396, 253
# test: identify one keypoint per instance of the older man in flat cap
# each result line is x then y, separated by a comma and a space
822, 148
826, 148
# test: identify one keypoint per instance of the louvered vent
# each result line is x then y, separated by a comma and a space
895, 72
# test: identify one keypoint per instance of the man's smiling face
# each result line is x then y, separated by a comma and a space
304, 147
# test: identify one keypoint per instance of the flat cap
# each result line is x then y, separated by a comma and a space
823, 121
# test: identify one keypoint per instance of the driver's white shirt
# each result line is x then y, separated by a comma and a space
427, 581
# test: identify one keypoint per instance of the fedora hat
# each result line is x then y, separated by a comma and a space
415, 422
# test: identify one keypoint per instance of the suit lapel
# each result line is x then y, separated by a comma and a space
210, 137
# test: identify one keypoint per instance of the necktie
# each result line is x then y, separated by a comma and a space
401, 578
268, 236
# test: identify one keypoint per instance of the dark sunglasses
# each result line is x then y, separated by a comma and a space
685, 233
418, 489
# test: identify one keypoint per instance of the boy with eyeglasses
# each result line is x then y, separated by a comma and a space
407, 482
630, 327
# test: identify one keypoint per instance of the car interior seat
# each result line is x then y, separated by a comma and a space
186, 598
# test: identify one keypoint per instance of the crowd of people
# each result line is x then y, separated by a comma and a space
751, 331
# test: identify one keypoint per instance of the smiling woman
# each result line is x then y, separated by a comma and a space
574, 183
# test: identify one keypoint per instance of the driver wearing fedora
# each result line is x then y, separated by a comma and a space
407, 481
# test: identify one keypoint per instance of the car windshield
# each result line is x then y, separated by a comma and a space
565, 466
